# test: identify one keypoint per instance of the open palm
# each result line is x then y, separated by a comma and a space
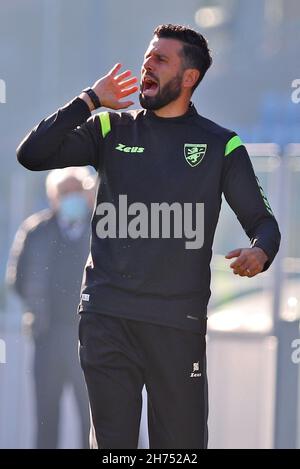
113, 87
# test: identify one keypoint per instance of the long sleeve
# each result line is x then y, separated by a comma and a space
247, 199
66, 138
16, 266
27, 270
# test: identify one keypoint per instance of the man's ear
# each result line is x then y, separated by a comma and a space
190, 77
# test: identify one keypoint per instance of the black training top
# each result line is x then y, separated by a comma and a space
149, 159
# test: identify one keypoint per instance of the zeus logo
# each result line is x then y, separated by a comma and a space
125, 149
296, 93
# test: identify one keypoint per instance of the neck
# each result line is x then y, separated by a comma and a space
174, 109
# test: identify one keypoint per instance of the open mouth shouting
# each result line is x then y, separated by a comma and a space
149, 86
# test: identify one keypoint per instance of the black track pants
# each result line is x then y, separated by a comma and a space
118, 356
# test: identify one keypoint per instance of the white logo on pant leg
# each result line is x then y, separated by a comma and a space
85, 297
195, 368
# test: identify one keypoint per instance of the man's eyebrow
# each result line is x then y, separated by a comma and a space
157, 54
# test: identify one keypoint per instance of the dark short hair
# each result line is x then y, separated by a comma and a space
195, 51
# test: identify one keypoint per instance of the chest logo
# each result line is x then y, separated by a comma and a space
194, 153
126, 149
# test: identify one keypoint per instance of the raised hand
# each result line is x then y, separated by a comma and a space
112, 88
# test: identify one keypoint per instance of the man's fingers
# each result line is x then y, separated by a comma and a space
251, 273
115, 69
239, 263
234, 253
247, 270
128, 91
124, 104
239, 267
122, 76
126, 83
248, 273
242, 272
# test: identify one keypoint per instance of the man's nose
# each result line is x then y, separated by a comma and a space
148, 64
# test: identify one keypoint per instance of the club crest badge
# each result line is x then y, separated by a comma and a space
194, 153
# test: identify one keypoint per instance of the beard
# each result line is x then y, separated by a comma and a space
168, 93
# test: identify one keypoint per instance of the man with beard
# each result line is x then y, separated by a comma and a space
144, 298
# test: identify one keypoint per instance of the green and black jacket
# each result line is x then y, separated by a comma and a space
186, 159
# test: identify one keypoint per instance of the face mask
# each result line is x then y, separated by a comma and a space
73, 207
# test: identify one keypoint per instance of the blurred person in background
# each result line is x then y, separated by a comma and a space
144, 299
45, 269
